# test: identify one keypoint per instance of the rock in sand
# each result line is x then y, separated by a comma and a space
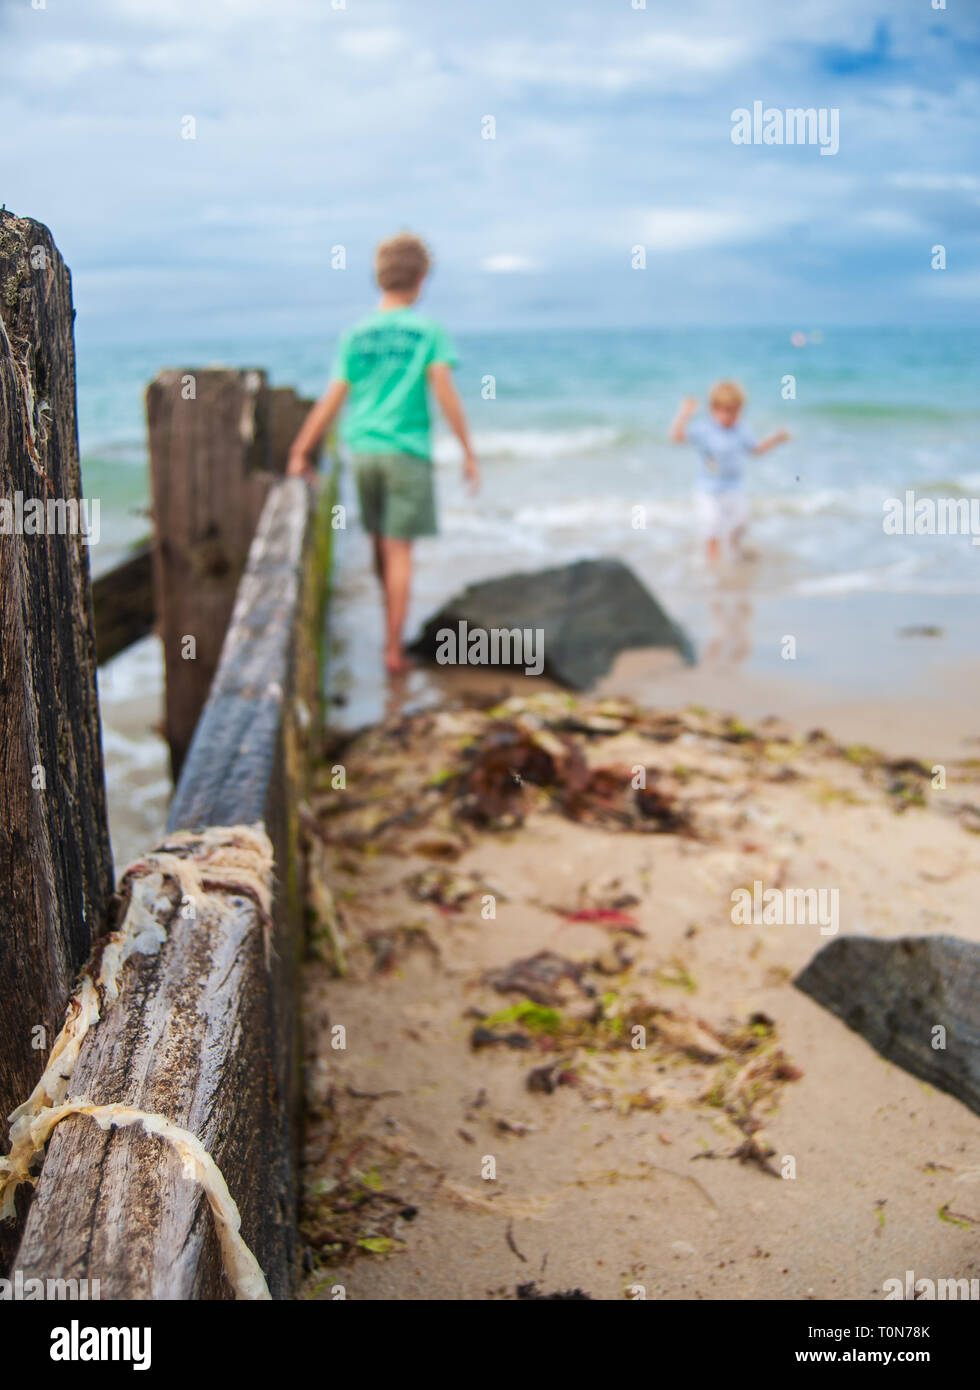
589, 612
898, 993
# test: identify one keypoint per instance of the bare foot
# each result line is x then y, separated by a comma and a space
397, 663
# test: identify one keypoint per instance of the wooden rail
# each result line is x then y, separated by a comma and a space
205, 1031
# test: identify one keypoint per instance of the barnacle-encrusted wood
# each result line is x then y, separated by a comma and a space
55, 862
170, 1022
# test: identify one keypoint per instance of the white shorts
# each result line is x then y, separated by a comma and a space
720, 514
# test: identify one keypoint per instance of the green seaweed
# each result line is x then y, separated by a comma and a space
537, 1018
946, 1215
379, 1245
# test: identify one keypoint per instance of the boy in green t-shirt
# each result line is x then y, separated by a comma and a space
383, 367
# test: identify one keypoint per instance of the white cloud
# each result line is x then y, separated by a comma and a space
507, 263
687, 229
937, 183
647, 59
63, 60
175, 56
888, 220
375, 44
685, 51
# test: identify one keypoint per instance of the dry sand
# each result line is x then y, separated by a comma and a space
624, 1178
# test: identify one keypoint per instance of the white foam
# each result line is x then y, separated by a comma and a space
531, 443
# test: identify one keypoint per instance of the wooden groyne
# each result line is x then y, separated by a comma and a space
205, 1031
174, 1085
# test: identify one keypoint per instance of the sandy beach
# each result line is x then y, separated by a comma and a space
895, 669
489, 1130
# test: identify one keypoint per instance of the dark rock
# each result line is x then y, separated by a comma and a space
531, 1291
544, 1080
546, 977
589, 612
896, 993
486, 1037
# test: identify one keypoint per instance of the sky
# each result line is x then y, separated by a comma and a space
323, 124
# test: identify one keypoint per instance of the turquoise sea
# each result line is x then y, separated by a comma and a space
571, 429
574, 437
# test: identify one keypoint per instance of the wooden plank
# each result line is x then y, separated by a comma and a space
55, 860
218, 442
286, 412
123, 597
206, 1031
208, 483
122, 602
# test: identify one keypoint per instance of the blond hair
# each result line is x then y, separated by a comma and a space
401, 262
726, 393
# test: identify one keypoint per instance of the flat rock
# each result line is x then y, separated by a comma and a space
897, 993
589, 612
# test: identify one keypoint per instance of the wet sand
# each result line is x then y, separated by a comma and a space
137, 763
901, 671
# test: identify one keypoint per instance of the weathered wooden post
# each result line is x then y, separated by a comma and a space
218, 442
55, 860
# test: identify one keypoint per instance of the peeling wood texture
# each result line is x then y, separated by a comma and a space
207, 1031
188, 1039
122, 600
55, 860
218, 441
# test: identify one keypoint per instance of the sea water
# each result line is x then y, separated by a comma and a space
571, 429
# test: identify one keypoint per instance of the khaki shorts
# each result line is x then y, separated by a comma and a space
396, 494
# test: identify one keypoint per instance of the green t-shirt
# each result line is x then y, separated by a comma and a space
384, 359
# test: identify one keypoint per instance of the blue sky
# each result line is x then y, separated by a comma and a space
319, 126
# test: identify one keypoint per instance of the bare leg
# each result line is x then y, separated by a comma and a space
712, 550
379, 560
396, 558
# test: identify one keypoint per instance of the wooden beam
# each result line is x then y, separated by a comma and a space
122, 602
55, 860
205, 1032
218, 442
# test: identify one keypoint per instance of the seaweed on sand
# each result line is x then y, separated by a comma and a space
490, 786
